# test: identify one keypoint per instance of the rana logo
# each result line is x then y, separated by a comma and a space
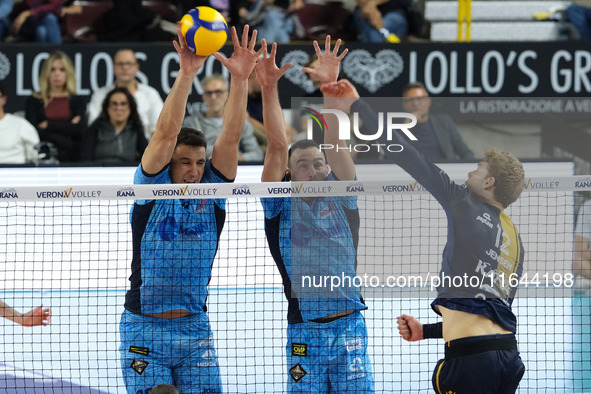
126, 192
8, 193
241, 190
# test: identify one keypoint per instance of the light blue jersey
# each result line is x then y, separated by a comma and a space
311, 240
174, 244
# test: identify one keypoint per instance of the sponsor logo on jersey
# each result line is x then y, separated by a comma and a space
139, 350
299, 349
485, 219
139, 366
297, 372
354, 344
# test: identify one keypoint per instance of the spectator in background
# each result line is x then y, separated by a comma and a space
17, 136
39, 21
582, 301
149, 102
271, 18
437, 136
215, 95
116, 137
55, 110
5, 10
580, 17
376, 21
130, 20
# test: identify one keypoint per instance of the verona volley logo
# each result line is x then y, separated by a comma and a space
388, 122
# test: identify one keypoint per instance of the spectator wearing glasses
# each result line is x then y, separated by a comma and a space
116, 137
149, 102
437, 136
215, 95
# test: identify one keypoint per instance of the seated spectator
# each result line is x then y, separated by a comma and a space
149, 102
377, 21
17, 136
5, 10
437, 135
215, 94
315, 20
40, 20
55, 110
271, 18
130, 21
580, 17
116, 137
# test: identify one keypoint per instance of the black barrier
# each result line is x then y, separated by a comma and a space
530, 69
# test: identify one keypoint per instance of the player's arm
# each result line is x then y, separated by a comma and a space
436, 181
161, 147
35, 317
327, 71
240, 65
267, 73
582, 261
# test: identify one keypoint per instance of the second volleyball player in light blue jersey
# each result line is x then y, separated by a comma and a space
315, 237
165, 333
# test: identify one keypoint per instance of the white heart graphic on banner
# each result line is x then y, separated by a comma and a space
373, 72
295, 74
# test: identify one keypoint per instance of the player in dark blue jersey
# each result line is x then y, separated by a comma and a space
165, 333
478, 324
326, 334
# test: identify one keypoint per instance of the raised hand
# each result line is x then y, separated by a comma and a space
266, 70
327, 69
244, 58
342, 94
189, 61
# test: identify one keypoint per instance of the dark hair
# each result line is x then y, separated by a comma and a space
2, 89
301, 144
191, 137
134, 117
414, 85
164, 389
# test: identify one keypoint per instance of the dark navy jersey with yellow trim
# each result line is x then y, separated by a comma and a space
483, 246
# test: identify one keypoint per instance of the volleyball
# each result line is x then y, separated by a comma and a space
205, 30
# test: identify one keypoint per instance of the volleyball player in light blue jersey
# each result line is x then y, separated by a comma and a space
165, 333
326, 335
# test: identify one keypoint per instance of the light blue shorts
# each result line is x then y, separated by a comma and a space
329, 357
168, 351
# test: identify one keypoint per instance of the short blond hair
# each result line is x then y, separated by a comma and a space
508, 173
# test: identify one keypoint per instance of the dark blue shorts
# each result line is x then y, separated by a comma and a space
487, 364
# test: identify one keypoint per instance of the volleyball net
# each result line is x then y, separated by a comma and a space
70, 249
